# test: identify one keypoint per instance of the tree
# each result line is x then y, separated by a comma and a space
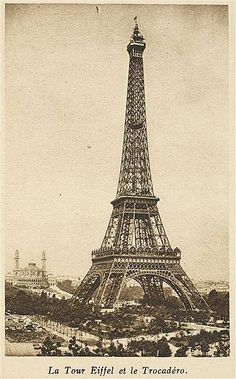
201, 316
120, 350
156, 325
222, 349
204, 348
174, 302
66, 285
73, 346
43, 296
219, 303
112, 350
163, 348
99, 350
50, 347
181, 352
131, 293
213, 297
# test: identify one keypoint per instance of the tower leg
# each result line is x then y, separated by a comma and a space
114, 283
101, 288
87, 287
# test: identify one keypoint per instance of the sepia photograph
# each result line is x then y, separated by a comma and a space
117, 184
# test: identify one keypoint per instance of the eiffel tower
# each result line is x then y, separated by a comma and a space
135, 245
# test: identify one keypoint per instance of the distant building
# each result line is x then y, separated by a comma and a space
74, 279
30, 276
9, 278
205, 286
33, 276
52, 280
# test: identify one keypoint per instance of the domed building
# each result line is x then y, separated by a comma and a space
33, 276
30, 276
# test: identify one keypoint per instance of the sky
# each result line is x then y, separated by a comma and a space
66, 80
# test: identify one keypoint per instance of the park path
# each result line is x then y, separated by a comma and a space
91, 340
67, 333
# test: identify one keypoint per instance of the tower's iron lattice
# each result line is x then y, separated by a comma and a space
135, 245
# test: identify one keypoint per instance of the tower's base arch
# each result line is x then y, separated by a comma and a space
105, 281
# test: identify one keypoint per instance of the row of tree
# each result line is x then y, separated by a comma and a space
142, 347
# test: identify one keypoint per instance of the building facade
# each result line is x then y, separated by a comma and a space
30, 276
33, 276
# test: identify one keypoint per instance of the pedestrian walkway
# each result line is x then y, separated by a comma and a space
67, 333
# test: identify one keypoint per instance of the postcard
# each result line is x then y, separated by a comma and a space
118, 190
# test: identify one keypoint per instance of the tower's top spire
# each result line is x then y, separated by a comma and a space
137, 42
135, 22
137, 36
